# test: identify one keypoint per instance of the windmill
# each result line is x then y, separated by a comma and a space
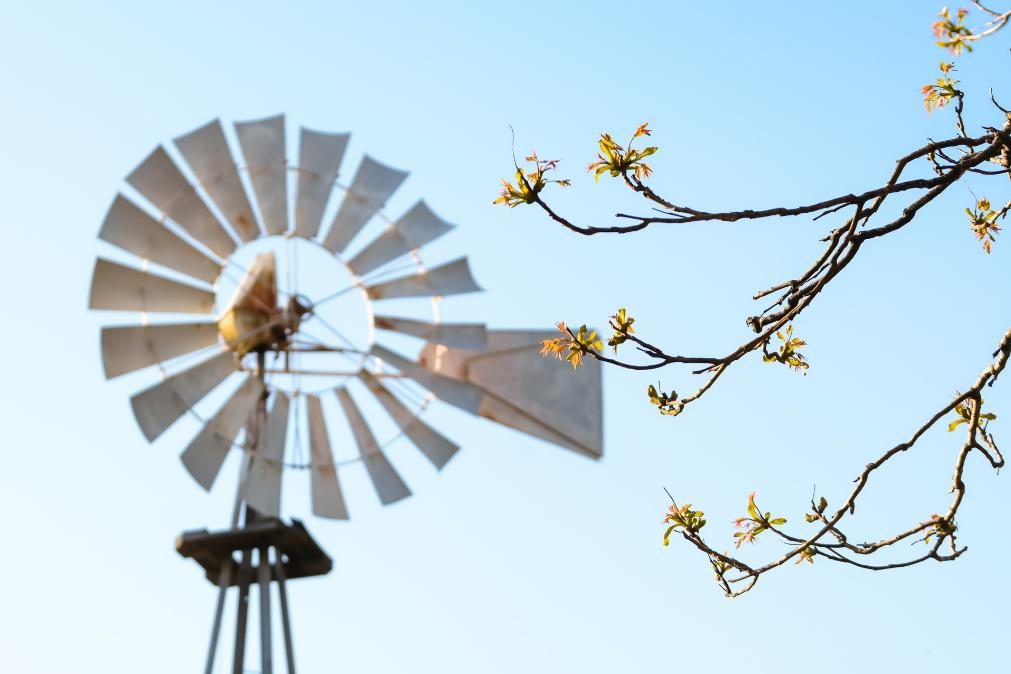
273, 364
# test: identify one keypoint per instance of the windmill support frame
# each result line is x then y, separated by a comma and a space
295, 555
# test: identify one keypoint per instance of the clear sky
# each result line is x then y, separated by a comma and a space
520, 556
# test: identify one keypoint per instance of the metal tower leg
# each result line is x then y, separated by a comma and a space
289, 648
225, 581
271, 551
263, 577
243, 610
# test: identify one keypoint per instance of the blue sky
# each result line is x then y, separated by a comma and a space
520, 556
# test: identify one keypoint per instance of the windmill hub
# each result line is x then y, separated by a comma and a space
300, 306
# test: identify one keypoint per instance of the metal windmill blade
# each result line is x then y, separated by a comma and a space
240, 332
197, 232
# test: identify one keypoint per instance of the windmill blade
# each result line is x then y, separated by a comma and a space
206, 151
385, 479
460, 394
319, 160
129, 348
452, 278
262, 489
263, 146
130, 228
205, 455
414, 229
371, 187
437, 448
524, 392
119, 288
163, 184
160, 406
460, 335
327, 500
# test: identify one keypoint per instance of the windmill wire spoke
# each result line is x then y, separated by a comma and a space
368, 278
304, 333
349, 358
335, 295
345, 354
379, 215
335, 331
309, 340
315, 341
403, 387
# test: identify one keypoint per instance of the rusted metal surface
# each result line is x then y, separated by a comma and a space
388, 483
206, 453
207, 154
158, 407
302, 556
262, 487
430, 442
319, 160
418, 226
460, 335
452, 278
130, 228
263, 147
116, 287
163, 184
246, 324
132, 347
372, 185
460, 394
327, 499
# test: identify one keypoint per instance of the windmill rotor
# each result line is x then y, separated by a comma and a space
180, 243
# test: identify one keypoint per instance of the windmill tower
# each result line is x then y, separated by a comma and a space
274, 363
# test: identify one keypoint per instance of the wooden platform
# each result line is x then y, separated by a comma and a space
303, 556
